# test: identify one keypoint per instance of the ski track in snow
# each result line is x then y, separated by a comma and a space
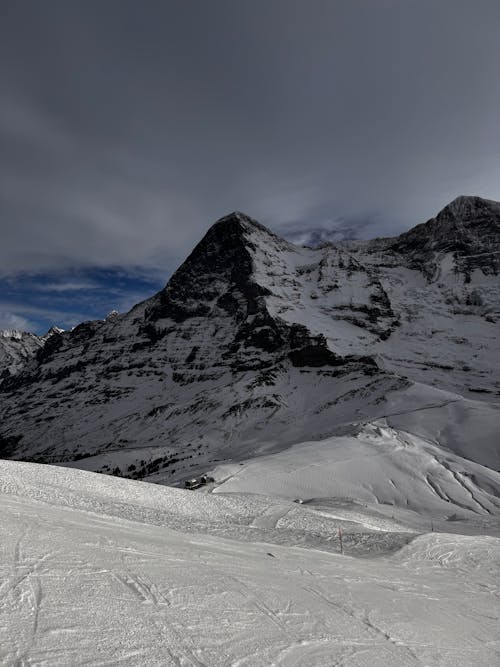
88, 586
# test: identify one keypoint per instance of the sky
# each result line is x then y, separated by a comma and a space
127, 128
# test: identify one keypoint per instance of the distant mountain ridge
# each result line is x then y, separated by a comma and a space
16, 347
256, 344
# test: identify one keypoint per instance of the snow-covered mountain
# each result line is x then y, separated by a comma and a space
16, 347
256, 344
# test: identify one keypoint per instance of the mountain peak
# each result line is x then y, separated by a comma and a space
235, 216
221, 262
53, 331
12, 333
468, 227
239, 220
467, 207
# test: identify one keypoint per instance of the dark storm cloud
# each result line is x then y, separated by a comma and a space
127, 127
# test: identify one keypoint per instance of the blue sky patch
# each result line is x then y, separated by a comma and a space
36, 301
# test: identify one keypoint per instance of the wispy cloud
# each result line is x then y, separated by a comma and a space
10, 320
30, 317
66, 286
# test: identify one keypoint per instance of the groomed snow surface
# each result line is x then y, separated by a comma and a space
96, 570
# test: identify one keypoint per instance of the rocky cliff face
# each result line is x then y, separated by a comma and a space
255, 344
17, 348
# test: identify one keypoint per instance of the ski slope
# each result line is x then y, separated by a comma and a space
96, 570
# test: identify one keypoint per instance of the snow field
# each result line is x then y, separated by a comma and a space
380, 466
89, 577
